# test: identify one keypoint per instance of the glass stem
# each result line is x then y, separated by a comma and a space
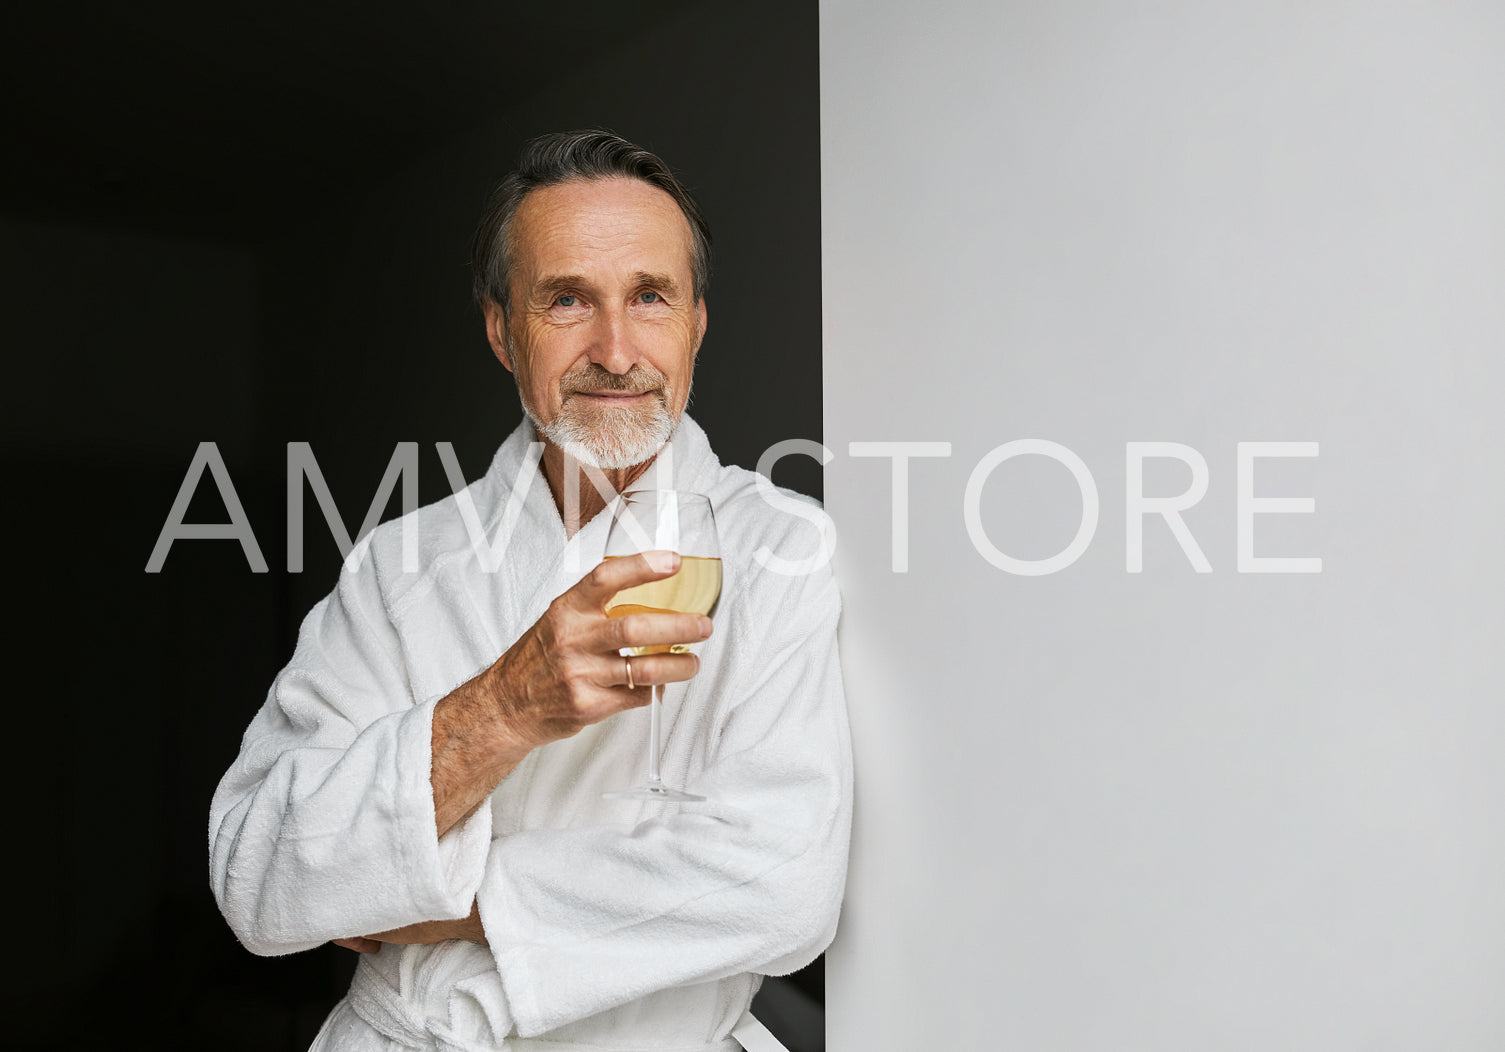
653, 736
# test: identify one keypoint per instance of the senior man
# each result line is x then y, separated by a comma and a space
424, 783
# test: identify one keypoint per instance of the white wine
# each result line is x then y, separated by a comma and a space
678, 522
694, 589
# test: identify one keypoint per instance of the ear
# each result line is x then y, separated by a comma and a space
700, 329
496, 334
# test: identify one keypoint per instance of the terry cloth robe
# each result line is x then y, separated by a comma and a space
612, 924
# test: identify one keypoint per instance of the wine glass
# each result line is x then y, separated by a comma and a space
664, 520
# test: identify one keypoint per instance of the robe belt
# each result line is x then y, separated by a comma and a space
384, 1010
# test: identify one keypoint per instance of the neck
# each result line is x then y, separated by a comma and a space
575, 487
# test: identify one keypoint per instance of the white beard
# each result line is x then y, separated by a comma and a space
605, 438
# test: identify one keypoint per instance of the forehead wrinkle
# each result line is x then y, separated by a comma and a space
570, 230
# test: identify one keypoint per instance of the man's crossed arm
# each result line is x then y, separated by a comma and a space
565, 673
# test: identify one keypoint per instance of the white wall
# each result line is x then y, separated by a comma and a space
1170, 810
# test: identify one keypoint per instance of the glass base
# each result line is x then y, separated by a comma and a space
652, 791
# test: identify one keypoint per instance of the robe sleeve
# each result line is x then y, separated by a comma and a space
582, 920
323, 827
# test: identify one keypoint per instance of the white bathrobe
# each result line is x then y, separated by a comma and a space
612, 924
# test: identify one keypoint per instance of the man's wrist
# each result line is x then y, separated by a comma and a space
508, 742
473, 749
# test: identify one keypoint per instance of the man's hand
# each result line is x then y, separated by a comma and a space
424, 932
564, 674
566, 671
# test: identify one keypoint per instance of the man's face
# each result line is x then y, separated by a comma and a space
603, 327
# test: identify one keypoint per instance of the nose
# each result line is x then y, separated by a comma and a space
612, 345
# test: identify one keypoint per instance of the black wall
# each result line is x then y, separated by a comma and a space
251, 227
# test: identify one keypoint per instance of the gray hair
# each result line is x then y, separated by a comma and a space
560, 158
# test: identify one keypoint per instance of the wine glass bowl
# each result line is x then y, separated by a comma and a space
693, 589
664, 520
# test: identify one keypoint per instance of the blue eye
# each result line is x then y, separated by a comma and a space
567, 300
649, 297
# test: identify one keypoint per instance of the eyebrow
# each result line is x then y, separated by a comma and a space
552, 286
657, 281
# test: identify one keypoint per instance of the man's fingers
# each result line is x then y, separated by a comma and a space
650, 669
653, 630
358, 944
613, 575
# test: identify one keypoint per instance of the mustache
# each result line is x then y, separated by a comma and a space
637, 380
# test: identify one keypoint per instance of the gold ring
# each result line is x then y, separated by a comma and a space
628, 662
